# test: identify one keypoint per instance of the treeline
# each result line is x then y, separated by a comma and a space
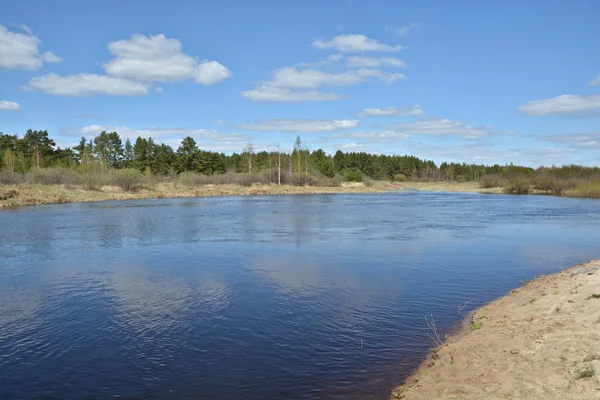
36, 149
106, 155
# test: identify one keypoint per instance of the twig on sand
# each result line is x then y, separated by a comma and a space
461, 308
435, 337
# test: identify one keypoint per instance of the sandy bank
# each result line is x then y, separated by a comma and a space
541, 341
27, 194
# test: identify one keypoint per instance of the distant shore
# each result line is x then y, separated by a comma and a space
540, 341
30, 194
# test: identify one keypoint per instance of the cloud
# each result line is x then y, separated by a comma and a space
401, 31
355, 44
383, 136
21, 51
489, 155
408, 111
580, 140
374, 62
139, 62
285, 82
595, 81
158, 133
300, 125
9, 105
565, 104
302, 81
157, 58
291, 77
207, 139
439, 126
86, 85
266, 93
211, 72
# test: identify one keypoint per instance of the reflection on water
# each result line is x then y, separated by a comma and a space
271, 297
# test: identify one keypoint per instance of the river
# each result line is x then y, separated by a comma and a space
269, 297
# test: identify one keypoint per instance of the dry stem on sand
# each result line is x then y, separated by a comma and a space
541, 341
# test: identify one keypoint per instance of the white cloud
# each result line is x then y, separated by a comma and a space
131, 133
489, 155
401, 31
150, 59
580, 140
207, 139
139, 62
311, 78
412, 111
285, 82
300, 125
21, 51
373, 62
157, 58
565, 104
211, 72
439, 126
9, 105
386, 77
274, 94
355, 44
85, 85
595, 81
382, 136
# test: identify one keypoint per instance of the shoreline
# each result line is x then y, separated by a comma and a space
32, 194
539, 341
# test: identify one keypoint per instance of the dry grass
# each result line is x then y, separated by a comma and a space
29, 194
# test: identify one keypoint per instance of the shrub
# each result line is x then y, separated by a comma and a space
51, 176
368, 181
585, 189
460, 179
7, 178
186, 178
322, 180
353, 175
93, 181
302, 179
489, 181
400, 178
517, 186
129, 179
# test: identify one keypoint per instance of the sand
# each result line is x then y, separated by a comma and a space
541, 341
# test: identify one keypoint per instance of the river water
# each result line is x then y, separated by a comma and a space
270, 297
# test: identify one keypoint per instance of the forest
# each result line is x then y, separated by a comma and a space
35, 158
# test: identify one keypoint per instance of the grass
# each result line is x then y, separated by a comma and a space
475, 326
533, 299
594, 296
586, 372
98, 189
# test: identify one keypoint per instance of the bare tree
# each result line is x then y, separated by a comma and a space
249, 156
270, 159
298, 151
278, 164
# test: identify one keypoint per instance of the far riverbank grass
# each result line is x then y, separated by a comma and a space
30, 194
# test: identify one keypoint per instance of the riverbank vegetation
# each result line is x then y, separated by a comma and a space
107, 161
569, 180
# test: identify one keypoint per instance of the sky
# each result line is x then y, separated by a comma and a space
466, 81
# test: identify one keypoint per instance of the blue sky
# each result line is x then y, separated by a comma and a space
484, 82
